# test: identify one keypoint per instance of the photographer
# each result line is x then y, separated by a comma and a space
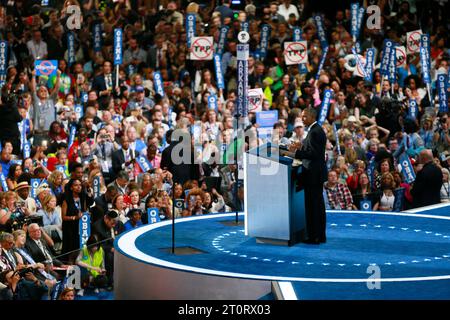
23, 284
441, 136
9, 118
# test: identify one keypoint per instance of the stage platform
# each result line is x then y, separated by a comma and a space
368, 255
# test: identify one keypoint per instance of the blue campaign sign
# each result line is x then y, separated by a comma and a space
157, 79
26, 149
222, 39
44, 3
297, 36
321, 31
153, 215
34, 186
370, 61
71, 48
393, 66
61, 168
354, 7
73, 132
144, 163
265, 32
97, 32
3, 59
219, 74
386, 56
266, 118
212, 102
84, 228
407, 169
441, 87
361, 12
46, 68
413, 110
425, 57
96, 187
179, 204
322, 61
3, 182
244, 26
196, 131
365, 205
78, 109
325, 106
84, 97
338, 146
118, 46
190, 28
371, 172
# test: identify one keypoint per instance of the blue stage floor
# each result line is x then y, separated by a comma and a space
411, 252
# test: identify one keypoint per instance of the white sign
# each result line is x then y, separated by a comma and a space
295, 52
400, 52
202, 48
243, 37
255, 99
413, 41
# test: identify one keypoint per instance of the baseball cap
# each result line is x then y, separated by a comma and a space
298, 124
140, 89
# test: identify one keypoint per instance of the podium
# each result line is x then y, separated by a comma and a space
275, 210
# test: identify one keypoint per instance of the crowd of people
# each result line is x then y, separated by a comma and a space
83, 132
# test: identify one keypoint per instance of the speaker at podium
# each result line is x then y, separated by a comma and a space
274, 203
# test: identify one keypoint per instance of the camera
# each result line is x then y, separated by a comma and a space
23, 272
104, 136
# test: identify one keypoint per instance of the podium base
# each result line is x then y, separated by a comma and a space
232, 223
297, 237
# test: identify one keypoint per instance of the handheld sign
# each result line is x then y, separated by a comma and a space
153, 215
425, 57
26, 149
267, 118
34, 186
407, 168
413, 110
3, 61
255, 99
144, 163
265, 32
46, 68
218, 69
365, 205
297, 37
61, 168
295, 52
354, 7
370, 61
321, 31
3, 182
73, 132
97, 37
157, 79
190, 28
413, 41
179, 206
222, 39
96, 187
118, 46
386, 56
392, 66
441, 87
202, 48
71, 48
212, 102
84, 228
325, 105
322, 62
400, 56
78, 109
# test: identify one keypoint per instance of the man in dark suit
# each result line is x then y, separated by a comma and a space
314, 174
102, 203
105, 85
427, 186
181, 172
123, 158
38, 248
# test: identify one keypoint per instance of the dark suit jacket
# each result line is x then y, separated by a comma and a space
312, 154
99, 209
181, 172
427, 186
118, 159
99, 84
36, 253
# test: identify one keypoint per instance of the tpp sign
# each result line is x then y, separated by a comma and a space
413, 41
46, 68
202, 48
295, 52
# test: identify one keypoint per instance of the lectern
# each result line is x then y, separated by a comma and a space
275, 210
